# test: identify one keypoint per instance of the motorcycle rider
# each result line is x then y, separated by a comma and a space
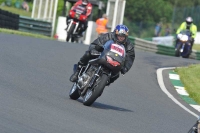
119, 36
188, 25
86, 7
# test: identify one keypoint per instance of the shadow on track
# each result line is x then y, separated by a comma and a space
105, 106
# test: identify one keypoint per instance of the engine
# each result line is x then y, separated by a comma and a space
83, 80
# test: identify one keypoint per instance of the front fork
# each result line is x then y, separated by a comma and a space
70, 24
96, 76
182, 48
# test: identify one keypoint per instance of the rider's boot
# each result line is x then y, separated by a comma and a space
74, 76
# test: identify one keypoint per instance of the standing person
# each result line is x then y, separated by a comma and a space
157, 30
25, 5
167, 30
188, 25
120, 37
85, 8
102, 24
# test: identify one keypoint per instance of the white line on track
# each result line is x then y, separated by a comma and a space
163, 88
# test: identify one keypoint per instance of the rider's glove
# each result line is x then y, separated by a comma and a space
94, 52
99, 48
123, 70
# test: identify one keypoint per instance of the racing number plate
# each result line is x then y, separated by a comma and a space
117, 49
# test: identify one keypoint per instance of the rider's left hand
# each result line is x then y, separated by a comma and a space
123, 70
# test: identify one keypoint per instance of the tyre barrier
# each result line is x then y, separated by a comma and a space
158, 48
26, 24
9, 20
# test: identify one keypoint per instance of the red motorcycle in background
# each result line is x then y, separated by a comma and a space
73, 27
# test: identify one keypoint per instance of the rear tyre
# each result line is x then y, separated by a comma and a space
92, 95
188, 53
70, 32
72, 39
74, 92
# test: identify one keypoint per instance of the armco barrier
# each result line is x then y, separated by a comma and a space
159, 49
31, 25
9, 20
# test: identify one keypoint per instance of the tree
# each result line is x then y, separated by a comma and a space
147, 10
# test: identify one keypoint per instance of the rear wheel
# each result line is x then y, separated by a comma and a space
72, 39
188, 51
92, 95
74, 92
70, 32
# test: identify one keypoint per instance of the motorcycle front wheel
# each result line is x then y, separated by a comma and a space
177, 51
92, 94
70, 32
74, 92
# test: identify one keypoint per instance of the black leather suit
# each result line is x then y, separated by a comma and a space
100, 41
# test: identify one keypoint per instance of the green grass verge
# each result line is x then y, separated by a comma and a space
190, 77
8, 31
16, 11
196, 47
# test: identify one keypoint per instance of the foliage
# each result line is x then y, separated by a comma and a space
142, 16
60, 7
139, 11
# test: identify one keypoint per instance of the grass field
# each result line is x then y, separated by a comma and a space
196, 47
24, 33
16, 10
190, 77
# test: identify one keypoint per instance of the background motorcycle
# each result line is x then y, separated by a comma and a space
73, 26
183, 46
196, 127
93, 78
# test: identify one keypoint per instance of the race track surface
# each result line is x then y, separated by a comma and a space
34, 87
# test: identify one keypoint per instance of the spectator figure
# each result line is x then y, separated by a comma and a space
167, 30
157, 30
102, 26
25, 6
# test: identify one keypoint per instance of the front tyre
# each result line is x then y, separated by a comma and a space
177, 51
92, 95
70, 32
74, 92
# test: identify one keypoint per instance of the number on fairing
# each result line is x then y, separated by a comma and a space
117, 49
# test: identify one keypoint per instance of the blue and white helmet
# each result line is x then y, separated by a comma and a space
121, 30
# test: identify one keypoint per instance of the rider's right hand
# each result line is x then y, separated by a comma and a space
94, 52
99, 48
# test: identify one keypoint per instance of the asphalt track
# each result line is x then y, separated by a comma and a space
34, 89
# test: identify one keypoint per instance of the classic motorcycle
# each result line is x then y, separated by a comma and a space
93, 78
73, 25
196, 127
183, 46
